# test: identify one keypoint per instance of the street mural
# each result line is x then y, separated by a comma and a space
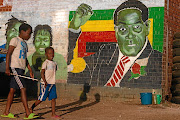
12, 30
119, 47
42, 38
116, 48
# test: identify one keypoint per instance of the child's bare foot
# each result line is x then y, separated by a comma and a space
57, 117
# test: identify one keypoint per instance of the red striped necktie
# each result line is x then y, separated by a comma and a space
119, 72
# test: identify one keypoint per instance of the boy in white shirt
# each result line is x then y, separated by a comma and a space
16, 62
47, 86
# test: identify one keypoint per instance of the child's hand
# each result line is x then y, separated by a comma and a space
31, 74
46, 84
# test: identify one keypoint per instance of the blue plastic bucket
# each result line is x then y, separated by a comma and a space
146, 98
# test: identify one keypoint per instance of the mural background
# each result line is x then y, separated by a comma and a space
97, 32
58, 13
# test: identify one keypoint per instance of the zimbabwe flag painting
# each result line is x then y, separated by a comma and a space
100, 30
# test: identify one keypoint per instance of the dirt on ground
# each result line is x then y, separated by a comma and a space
70, 109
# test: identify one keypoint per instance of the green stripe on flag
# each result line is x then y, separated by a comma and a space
157, 13
98, 15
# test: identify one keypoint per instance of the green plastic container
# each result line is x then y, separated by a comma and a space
158, 98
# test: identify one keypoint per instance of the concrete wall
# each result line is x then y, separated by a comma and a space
71, 91
54, 17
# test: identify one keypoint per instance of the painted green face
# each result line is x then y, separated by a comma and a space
13, 32
131, 32
42, 40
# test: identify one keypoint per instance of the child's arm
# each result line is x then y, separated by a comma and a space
43, 76
29, 68
8, 56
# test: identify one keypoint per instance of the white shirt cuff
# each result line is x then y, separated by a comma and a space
75, 31
70, 68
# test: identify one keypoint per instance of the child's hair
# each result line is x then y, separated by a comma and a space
48, 48
25, 27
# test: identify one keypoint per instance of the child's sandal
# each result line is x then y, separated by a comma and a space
10, 115
31, 116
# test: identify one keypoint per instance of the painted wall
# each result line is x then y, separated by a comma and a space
50, 20
47, 31
99, 47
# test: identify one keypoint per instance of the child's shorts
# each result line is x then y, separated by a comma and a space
16, 81
49, 91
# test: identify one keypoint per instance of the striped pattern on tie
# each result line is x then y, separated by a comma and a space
118, 73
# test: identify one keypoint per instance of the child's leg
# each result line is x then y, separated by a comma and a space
52, 97
24, 100
9, 101
42, 97
37, 102
53, 104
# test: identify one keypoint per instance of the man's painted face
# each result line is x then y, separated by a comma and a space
13, 32
42, 40
131, 32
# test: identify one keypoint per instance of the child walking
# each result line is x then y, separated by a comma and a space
17, 57
47, 85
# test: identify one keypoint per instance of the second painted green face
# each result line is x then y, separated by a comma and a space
42, 41
13, 32
131, 32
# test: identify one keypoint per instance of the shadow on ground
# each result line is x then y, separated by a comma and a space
78, 106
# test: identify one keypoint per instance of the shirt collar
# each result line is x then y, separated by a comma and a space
20, 38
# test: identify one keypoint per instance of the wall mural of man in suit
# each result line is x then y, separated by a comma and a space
131, 62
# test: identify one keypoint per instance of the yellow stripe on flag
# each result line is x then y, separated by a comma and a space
150, 36
108, 25
98, 25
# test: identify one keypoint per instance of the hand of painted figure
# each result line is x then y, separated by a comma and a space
82, 15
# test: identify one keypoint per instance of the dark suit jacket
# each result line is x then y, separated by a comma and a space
100, 67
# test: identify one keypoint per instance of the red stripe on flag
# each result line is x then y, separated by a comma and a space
104, 36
